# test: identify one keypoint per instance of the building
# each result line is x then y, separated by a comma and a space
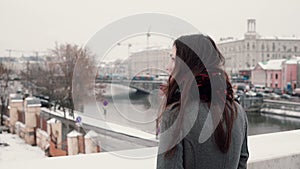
246, 53
277, 73
148, 62
290, 73
268, 73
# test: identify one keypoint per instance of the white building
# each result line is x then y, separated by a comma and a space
245, 53
148, 62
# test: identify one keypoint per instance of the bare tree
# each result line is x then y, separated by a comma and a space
5, 77
55, 78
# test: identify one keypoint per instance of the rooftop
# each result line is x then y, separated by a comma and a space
275, 64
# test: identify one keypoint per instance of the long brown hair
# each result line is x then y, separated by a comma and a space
201, 55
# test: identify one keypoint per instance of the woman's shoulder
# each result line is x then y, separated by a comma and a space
241, 114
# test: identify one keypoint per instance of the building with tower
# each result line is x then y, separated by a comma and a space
245, 53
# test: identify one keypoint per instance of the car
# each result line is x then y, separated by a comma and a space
258, 88
250, 94
297, 92
291, 92
274, 96
268, 90
278, 91
286, 96
262, 94
239, 93
162, 77
242, 87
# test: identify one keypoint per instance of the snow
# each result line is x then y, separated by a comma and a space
91, 134
104, 124
280, 112
42, 132
272, 64
34, 105
118, 128
152, 48
228, 40
53, 120
280, 38
22, 125
18, 149
274, 146
14, 100
293, 60
74, 133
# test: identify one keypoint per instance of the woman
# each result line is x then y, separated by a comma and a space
201, 126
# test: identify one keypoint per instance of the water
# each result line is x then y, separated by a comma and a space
262, 124
128, 107
138, 110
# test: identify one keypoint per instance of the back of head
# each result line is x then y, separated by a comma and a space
199, 62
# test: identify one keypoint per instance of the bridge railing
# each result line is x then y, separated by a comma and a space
268, 151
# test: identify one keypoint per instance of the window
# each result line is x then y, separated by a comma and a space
262, 47
253, 46
295, 48
276, 76
271, 76
276, 85
284, 47
248, 46
273, 46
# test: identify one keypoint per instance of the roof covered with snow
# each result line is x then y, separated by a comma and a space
293, 60
228, 40
16, 97
53, 120
280, 38
74, 133
275, 64
33, 101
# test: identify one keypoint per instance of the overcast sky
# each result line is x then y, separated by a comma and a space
38, 24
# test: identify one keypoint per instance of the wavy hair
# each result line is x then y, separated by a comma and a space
202, 57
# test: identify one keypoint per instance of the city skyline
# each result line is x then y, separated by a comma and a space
35, 25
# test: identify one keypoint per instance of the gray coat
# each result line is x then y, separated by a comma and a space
190, 154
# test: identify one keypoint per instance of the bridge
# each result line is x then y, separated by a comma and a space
146, 86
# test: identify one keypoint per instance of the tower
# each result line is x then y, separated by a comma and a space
251, 25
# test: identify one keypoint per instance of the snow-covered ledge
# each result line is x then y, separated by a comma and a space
267, 151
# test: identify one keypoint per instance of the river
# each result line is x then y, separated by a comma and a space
128, 107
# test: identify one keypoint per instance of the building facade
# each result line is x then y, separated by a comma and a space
277, 73
148, 62
268, 74
290, 73
245, 53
